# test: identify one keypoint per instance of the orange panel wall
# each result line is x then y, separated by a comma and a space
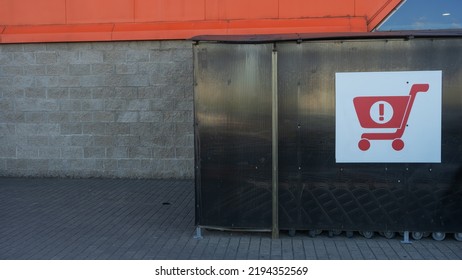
99, 11
105, 20
241, 9
317, 8
374, 12
20, 12
367, 7
169, 10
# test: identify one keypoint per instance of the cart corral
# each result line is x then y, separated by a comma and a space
267, 156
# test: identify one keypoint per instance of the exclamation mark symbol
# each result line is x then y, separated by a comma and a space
381, 112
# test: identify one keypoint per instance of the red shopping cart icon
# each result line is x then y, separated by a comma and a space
385, 112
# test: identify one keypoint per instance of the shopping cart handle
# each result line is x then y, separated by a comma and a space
419, 88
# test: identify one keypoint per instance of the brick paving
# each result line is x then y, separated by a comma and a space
55, 219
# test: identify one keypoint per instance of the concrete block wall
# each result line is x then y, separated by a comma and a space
109, 109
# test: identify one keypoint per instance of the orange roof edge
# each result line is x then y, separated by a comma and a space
57, 33
176, 30
383, 13
23, 21
2, 28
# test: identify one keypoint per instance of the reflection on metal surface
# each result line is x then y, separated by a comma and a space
233, 111
275, 143
317, 193
233, 135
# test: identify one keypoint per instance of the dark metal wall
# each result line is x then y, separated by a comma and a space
233, 139
233, 135
317, 193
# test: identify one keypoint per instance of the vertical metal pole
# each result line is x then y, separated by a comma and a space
275, 169
406, 238
198, 234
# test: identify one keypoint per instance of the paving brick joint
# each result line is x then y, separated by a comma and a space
55, 219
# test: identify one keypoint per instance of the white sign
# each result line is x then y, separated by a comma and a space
388, 117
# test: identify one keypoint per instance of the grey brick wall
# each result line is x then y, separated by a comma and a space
115, 109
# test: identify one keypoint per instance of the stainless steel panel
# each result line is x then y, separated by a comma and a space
234, 146
317, 193
233, 135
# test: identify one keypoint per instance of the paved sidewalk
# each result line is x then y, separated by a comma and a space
154, 219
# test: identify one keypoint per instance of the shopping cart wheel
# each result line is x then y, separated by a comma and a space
438, 235
314, 232
458, 236
364, 144
367, 234
417, 235
397, 144
389, 234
